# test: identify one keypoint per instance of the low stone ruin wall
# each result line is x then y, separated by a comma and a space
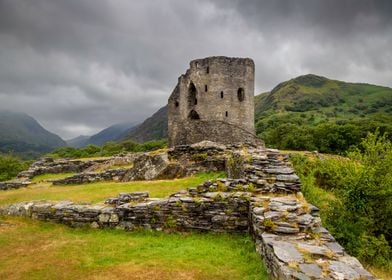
13, 185
49, 165
145, 167
91, 177
219, 212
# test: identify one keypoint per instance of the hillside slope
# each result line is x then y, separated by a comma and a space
112, 133
24, 136
153, 128
304, 112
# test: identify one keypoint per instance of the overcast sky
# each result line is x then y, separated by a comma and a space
78, 66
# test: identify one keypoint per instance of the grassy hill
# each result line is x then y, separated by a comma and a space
22, 135
312, 112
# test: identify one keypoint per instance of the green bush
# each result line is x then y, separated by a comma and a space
322, 131
354, 195
10, 166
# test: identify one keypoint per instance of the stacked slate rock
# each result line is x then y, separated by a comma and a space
16, 184
205, 156
270, 171
91, 177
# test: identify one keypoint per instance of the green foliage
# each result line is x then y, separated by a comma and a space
10, 166
200, 156
315, 113
170, 223
354, 195
108, 149
234, 166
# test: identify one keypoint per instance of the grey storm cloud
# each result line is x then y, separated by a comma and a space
81, 65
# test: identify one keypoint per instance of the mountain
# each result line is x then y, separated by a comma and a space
312, 93
112, 133
308, 112
77, 142
153, 128
23, 135
313, 112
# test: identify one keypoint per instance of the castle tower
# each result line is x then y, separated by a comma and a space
213, 100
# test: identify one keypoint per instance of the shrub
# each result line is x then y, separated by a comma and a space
10, 166
354, 196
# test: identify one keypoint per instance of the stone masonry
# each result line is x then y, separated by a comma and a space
213, 101
264, 202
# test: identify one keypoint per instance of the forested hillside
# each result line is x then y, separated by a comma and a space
314, 113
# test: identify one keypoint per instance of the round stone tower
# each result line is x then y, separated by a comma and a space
213, 100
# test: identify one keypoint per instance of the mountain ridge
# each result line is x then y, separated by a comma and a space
112, 133
23, 135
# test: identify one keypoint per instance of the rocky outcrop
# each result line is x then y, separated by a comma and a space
154, 166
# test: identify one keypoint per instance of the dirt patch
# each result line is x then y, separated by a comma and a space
6, 226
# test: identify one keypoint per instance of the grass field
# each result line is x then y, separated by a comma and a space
96, 192
41, 250
51, 176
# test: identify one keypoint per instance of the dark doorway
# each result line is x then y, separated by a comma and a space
193, 115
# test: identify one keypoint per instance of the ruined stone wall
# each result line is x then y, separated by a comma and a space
49, 165
218, 91
265, 202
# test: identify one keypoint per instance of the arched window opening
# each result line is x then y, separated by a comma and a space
208, 70
205, 88
227, 114
177, 104
221, 94
192, 92
193, 115
241, 94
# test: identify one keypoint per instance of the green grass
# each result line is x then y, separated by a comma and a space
51, 176
41, 250
96, 192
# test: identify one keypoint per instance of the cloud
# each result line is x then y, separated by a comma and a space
79, 66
